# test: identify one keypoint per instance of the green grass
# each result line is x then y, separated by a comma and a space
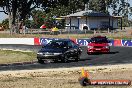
9, 56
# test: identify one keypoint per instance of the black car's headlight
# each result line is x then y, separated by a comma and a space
40, 53
80, 49
57, 53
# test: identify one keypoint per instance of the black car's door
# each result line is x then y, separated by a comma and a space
72, 49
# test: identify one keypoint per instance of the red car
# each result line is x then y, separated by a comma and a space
98, 44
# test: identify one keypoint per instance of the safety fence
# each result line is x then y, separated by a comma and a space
84, 42
44, 41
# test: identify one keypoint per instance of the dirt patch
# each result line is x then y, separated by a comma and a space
63, 78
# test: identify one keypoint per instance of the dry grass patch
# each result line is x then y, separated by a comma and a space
9, 56
58, 79
121, 34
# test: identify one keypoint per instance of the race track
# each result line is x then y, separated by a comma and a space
118, 55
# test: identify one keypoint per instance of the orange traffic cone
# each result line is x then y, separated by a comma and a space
84, 79
84, 73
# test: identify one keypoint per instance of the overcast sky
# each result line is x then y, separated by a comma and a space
4, 16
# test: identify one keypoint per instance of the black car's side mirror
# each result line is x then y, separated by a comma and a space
78, 44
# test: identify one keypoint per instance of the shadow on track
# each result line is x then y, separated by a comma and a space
97, 53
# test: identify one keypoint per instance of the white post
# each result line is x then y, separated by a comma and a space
24, 29
94, 32
108, 30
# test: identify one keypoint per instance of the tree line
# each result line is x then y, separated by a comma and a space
21, 10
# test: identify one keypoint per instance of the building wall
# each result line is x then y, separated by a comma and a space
92, 22
83, 23
74, 23
97, 21
115, 23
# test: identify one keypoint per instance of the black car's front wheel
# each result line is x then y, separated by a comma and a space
55, 61
77, 58
40, 61
65, 58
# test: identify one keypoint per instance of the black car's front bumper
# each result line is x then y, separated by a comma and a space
49, 57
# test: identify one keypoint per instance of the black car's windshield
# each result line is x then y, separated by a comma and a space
99, 40
56, 44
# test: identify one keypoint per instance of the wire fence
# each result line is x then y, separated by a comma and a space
127, 31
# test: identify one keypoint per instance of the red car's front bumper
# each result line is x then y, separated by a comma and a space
98, 50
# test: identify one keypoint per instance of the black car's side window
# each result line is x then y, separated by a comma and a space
70, 44
63, 44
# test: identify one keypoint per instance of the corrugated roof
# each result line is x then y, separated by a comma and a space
88, 13
95, 14
79, 13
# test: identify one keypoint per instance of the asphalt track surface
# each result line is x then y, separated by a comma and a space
118, 55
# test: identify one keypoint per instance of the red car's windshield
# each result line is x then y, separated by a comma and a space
99, 40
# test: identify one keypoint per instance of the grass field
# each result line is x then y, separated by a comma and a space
9, 56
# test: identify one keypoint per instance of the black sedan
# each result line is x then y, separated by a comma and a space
59, 50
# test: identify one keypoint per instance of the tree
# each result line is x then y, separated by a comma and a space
93, 5
38, 17
18, 10
5, 23
100, 5
121, 8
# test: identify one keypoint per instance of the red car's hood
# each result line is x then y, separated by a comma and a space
98, 44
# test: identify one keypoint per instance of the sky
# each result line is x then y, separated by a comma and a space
4, 16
